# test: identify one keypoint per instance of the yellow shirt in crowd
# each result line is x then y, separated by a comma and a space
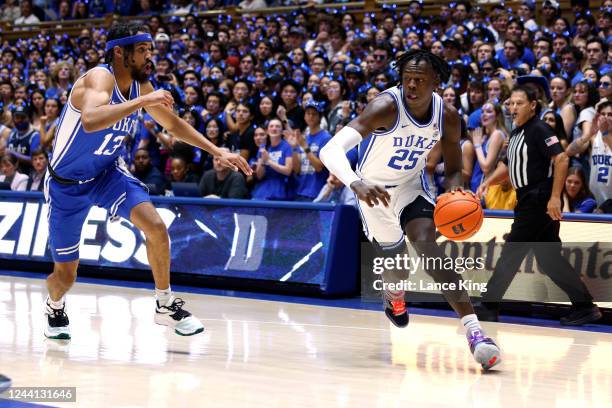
500, 197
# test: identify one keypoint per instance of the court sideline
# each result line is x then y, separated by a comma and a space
257, 353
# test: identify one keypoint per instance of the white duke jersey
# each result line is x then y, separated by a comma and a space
601, 169
398, 155
79, 155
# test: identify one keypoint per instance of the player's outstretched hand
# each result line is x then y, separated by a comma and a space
159, 97
371, 194
235, 162
463, 190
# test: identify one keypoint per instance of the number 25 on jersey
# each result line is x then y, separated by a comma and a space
405, 159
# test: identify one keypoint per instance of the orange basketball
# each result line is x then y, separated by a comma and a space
458, 215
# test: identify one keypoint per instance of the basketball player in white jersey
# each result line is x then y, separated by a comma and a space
396, 132
600, 159
86, 170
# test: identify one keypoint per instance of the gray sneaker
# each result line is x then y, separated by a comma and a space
484, 350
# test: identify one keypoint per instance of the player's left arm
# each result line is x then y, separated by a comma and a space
451, 148
560, 166
180, 129
550, 148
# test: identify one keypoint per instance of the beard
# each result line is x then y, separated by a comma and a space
140, 74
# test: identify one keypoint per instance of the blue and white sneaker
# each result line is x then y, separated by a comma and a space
58, 325
173, 315
484, 350
5, 383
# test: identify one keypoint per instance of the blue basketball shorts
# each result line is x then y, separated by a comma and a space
115, 190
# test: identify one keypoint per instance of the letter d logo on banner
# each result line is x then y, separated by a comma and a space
248, 242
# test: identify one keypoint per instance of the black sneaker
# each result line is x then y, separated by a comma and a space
581, 315
57, 323
396, 310
5, 383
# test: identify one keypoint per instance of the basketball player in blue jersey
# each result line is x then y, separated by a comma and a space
85, 170
395, 133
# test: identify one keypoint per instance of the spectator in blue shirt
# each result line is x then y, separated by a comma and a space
570, 64
274, 166
335, 192
577, 196
23, 139
310, 171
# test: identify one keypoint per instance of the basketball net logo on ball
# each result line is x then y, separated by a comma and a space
458, 215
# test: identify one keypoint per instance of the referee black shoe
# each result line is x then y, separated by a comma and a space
581, 315
5, 383
487, 313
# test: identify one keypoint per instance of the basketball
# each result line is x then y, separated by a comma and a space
458, 215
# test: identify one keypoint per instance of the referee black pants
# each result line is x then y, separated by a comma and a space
532, 225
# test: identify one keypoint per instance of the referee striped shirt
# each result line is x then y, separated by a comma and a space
529, 157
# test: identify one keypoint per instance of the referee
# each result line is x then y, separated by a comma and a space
537, 166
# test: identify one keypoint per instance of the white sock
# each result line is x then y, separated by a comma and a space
163, 296
394, 294
56, 305
471, 323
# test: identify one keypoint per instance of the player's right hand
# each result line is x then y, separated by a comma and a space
159, 97
371, 194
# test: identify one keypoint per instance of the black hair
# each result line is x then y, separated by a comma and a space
198, 91
604, 44
518, 44
532, 95
603, 105
438, 64
568, 83
221, 127
547, 40
588, 17
494, 63
516, 20
575, 51
196, 117
219, 95
559, 128
592, 94
140, 149
122, 30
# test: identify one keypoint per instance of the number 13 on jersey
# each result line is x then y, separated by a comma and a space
104, 151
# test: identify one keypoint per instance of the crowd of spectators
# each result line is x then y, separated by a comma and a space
275, 88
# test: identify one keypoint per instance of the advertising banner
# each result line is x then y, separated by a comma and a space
224, 238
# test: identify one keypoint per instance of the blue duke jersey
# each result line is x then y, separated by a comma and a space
79, 155
398, 155
601, 169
